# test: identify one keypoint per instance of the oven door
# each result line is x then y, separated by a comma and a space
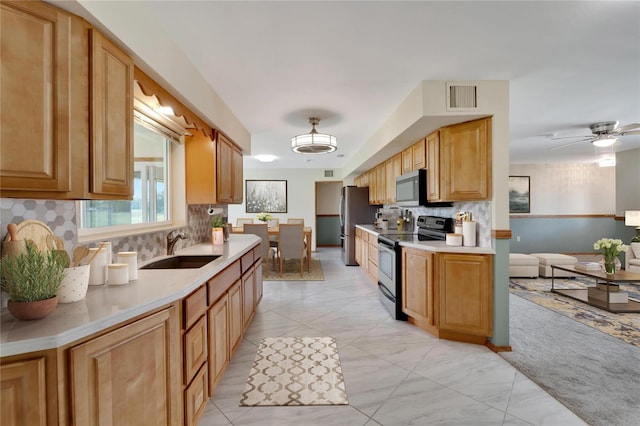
387, 269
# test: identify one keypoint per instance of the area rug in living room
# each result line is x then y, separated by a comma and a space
625, 327
293, 371
291, 271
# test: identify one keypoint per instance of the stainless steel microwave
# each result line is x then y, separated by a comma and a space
411, 190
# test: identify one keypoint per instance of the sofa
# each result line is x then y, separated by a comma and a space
632, 258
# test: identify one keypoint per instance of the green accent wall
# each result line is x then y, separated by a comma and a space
327, 231
501, 293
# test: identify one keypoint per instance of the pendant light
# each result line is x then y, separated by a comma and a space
313, 142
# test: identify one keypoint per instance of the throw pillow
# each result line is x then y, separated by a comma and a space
635, 247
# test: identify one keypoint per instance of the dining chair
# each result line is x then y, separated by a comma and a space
261, 230
291, 244
295, 220
241, 221
273, 222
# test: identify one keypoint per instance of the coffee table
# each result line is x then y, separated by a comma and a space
582, 294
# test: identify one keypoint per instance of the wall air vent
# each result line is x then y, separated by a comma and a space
328, 173
462, 96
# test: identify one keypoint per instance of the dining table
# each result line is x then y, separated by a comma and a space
275, 231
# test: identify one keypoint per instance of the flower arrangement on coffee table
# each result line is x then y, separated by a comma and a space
610, 248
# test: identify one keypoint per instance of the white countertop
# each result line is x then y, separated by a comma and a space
105, 306
435, 246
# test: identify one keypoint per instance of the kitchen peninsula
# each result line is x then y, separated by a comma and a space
161, 341
445, 290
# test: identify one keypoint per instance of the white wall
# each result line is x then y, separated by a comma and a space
300, 194
569, 189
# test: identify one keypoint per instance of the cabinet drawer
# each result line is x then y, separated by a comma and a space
195, 305
246, 261
195, 397
257, 252
195, 349
219, 284
372, 238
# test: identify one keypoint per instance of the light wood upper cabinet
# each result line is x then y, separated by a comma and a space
71, 91
129, 373
213, 170
111, 130
418, 152
465, 293
407, 160
41, 125
465, 161
433, 166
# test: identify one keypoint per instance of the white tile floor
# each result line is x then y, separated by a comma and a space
395, 373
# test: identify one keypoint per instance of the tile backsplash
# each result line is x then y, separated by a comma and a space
60, 217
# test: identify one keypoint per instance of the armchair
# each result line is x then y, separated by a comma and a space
632, 258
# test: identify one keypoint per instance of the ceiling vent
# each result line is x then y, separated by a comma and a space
328, 173
462, 96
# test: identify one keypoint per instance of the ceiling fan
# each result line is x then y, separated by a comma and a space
604, 134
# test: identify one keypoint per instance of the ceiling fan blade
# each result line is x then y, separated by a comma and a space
569, 137
625, 129
568, 144
633, 132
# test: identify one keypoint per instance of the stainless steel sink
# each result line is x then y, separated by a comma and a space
182, 262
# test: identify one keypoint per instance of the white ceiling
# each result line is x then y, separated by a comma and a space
351, 63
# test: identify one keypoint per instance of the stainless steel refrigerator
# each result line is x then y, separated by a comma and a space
354, 210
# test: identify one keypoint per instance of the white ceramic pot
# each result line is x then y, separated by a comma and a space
74, 284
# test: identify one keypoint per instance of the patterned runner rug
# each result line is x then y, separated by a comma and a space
625, 327
295, 371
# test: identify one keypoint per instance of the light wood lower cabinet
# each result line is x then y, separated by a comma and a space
449, 294
129, 373
23, 400
218, 341
248, 297
235, 317
196, 397
417, 285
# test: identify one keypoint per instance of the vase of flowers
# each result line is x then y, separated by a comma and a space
264, 217
610, 248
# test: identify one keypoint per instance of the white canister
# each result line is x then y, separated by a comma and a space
469, 233
98, 273
106, 245
118, 273
131, 259
458, 229
454, 239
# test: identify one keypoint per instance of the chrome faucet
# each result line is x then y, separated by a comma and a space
172, 240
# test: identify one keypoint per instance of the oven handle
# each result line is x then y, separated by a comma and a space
385, 247
385, 291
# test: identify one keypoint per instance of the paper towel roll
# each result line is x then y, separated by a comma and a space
469, 234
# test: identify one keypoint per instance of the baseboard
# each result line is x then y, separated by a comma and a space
495, 348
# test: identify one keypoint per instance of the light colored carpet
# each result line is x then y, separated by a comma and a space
595, 375
295, 371
625, 327
291, 271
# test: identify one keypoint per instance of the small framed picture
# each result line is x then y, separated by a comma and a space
519, 197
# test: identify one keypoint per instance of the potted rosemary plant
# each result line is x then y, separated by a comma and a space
219, 224
31, 280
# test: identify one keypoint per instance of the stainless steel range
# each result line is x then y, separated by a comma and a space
430, 228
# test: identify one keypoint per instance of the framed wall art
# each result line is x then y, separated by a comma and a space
268, 196
519, 196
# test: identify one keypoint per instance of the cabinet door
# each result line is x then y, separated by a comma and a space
111, 130
238, 181
195, 349
129, 374
358, 248
218, 341
466, 166
235, 317
417, 285
248, 297
465, 293
407, 160
258, 282
195, 397
224, 173
419, 158
23, 399
200, 169
389, 182
433, 166
35, 99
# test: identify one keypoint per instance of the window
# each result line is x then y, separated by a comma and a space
150, 186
